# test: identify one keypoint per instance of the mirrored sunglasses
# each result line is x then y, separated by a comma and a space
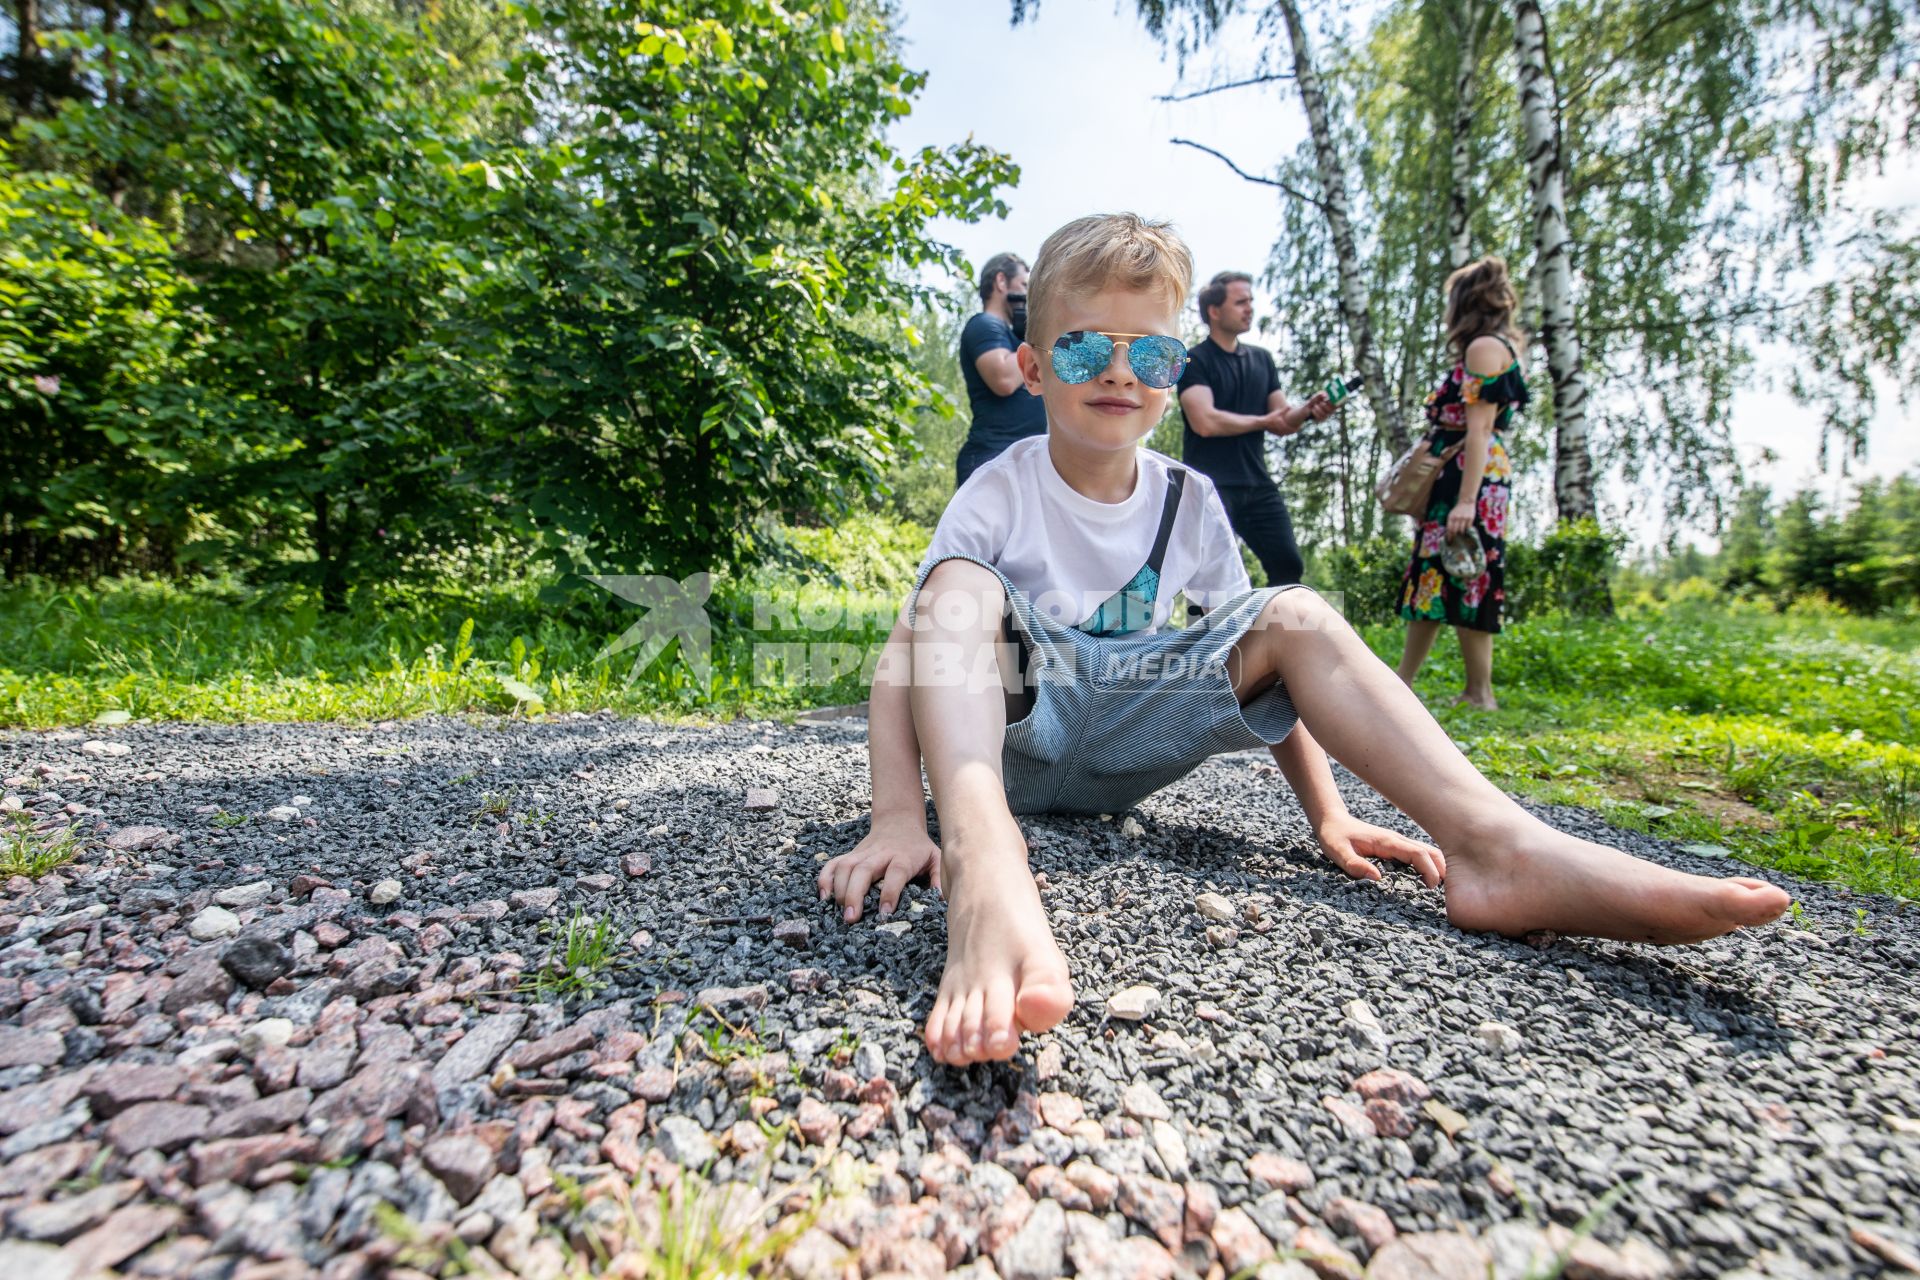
1080, 355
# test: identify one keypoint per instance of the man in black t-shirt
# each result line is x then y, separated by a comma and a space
1003, 409
1231, 399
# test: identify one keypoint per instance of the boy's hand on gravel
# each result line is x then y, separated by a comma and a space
892, 855
1349, 843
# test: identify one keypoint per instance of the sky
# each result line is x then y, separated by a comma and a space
1071, 97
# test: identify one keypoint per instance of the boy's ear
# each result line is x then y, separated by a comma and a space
1029, 361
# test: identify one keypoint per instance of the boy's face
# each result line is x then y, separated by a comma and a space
1115, 410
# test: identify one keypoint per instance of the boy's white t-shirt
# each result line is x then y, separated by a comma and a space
1069, 554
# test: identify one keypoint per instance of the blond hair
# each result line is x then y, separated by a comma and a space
1102, 250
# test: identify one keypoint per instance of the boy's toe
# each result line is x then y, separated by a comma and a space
968, 1040
1044, 998
938, 1022
1000, 1039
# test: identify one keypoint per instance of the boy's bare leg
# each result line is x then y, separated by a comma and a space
1476, 655
1005, 974
1419, 643
1506, 871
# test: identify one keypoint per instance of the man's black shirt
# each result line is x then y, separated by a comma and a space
1241, 381
997, 420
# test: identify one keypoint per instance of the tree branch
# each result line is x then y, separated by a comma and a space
1222, 88
1270, 182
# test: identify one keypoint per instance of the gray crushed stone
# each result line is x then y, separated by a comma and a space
1740, 1090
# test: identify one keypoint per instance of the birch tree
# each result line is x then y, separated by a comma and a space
1553, 256
1354, 307
1470, 24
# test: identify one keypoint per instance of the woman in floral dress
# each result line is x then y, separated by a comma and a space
1472, 405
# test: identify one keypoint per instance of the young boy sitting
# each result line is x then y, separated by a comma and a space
1032, 671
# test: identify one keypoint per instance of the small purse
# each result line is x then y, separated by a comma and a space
1463, 557
1408, 484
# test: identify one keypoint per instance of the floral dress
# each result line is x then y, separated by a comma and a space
1428, 590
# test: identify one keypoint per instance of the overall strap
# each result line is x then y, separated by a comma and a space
1176, 480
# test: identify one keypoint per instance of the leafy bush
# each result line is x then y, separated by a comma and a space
1570, 573
1367, 574
90, 314
429, 334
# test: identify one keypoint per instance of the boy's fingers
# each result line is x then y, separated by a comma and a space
1423, 858
855, 895
890, 886
1352, 863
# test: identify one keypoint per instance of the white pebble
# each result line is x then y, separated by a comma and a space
283, 813
214, 922
1497, 1037
242, 896
1134, 1003
384, 892
267, 1033
1213, 906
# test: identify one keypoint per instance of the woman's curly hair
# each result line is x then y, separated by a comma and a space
1481, 301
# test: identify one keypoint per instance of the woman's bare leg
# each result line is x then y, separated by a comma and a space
1005, 974
1507, 872
1476, 654
1420, 635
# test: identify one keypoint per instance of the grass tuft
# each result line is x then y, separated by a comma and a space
30, 853
581, 957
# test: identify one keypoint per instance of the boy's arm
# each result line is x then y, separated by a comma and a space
896, 848
893, 750
1311, 777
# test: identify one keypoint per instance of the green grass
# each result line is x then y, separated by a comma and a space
581, 956
1782, 740
222, 651
30, 853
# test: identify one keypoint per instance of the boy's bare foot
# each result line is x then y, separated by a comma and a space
1536, 878
1005, 974
1485, 701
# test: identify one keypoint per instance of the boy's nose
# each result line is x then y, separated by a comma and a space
1119, 368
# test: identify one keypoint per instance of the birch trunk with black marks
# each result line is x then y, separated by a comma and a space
1553, 258
1470, 20
1354, 307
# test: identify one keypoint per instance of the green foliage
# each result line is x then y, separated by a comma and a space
686, 329
1861, 558
1568, 575
701, 1230
317, 198
1711, 207
91, 312
1367, 576
1570, 572
922, 481
398, 292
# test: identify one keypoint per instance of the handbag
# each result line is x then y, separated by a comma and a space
1408, 484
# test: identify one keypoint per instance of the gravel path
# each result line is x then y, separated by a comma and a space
275, 995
